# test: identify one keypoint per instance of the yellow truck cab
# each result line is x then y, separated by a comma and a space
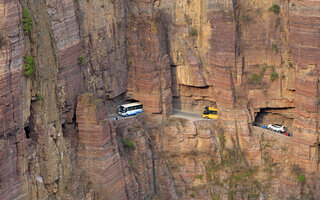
210, 113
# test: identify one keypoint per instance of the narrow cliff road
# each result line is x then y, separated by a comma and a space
193, 116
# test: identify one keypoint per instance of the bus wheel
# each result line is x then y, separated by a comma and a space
207, 117
126, 115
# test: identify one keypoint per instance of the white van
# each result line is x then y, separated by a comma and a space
130, 109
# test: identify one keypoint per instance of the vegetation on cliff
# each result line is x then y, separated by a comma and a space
128, 144
275, 8
81, 60
26, 21
29, 66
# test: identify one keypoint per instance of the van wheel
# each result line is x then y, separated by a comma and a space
127, 115
207, 117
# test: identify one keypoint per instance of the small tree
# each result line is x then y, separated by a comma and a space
275, 47
275, 8
29, 66
302, 178
39, 97
274, 76
26, 21
128, 144
81, 60
193, 32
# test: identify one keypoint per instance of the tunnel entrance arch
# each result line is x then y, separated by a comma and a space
283, 116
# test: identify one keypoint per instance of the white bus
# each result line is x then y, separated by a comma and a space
130, 109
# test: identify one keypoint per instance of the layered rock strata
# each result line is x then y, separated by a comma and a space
14, 104
149, 77
98, 154
243, 57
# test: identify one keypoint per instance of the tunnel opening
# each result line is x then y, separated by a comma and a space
27, 131
281, 116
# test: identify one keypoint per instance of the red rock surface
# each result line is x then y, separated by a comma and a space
149, 79
13, 108
65, 31
97, 152
166, 54
305, 53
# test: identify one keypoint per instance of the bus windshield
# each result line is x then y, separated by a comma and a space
121, 109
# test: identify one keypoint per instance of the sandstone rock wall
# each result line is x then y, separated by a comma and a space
98, 155
149, 75
103, 27
305, 54
14, 104
235, 55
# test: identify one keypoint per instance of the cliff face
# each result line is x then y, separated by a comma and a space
256, 61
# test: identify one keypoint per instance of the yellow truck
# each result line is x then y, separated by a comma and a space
210, 113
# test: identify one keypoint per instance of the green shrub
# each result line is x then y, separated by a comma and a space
39, 97
242, 175
128, 144
302, 178
199, 176
275, 8
29, 66
193, 32
283, 76
192, 195
256, 77
246, 18
26, 22
274, 76
129, 62
81, 60
265, 68
275, 47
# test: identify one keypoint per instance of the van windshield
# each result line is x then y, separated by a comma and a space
121, 109
213, 112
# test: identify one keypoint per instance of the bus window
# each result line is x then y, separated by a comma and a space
121, 109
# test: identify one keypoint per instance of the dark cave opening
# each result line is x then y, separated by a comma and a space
27, 132
283, 116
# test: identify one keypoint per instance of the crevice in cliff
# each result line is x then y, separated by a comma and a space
236, 12
27, 132
163, 21
237, 146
